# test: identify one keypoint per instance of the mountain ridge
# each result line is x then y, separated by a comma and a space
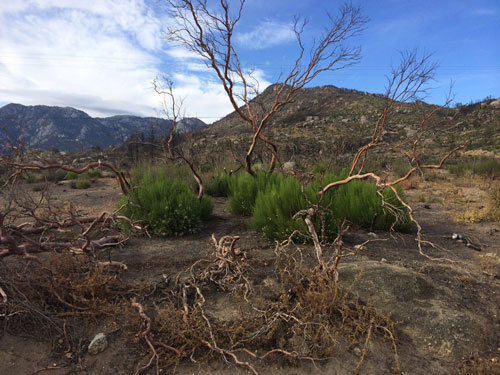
71, 130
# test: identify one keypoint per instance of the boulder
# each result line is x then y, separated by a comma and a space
432, 314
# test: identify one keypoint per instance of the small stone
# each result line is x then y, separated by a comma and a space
98, 344
359, 247
383, 260
372, 235
357, 351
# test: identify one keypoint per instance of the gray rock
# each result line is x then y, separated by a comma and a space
428, 313
98, 344
289, 165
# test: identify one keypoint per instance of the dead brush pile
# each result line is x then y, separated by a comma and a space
307, 320
481, 365
58, 297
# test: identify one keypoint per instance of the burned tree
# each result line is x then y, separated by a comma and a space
209, 32
172, 108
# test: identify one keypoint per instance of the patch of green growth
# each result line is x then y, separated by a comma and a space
80, 183
357, 201
243, 191
55, 175
173, 171
218, 186
71, 176
400, 167
488, 167
94, 173
168, 207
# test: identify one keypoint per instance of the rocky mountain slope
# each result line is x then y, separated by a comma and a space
71, 130
327, 120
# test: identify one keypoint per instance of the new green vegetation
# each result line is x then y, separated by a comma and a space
273, 200
488, 167
167, 206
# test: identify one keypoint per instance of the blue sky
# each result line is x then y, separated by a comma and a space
101, 56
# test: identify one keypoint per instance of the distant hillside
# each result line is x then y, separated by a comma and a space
71, 130
327, 120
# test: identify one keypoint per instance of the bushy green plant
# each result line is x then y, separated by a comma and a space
356, 201
218, 186
71, 176
167, 206
55, 175
80, 183
94, 173
275, 207
359, 203
244, 188
485, 167
173, 171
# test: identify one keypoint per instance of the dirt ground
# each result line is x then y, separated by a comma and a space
446, 310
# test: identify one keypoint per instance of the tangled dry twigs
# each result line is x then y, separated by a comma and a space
306, 320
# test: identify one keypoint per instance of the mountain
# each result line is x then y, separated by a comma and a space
328, 120
71, 130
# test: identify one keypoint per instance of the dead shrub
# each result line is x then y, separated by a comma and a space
306, 321
49, 296
478, 365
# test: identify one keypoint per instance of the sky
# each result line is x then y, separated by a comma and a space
101, 56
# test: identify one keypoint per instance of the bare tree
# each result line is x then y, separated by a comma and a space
172, 108
209, 32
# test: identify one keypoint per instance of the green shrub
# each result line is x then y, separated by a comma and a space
400, 167
218, 186
244, 188
357, 202
71, 176
173, 171
484, 167
94, 173
167, 206
275, 207
55, 175
80, 183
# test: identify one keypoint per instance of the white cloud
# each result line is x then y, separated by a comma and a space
100, 57
96, 56
266, 34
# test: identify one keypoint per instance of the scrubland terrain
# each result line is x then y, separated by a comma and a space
264, 273
394, 310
